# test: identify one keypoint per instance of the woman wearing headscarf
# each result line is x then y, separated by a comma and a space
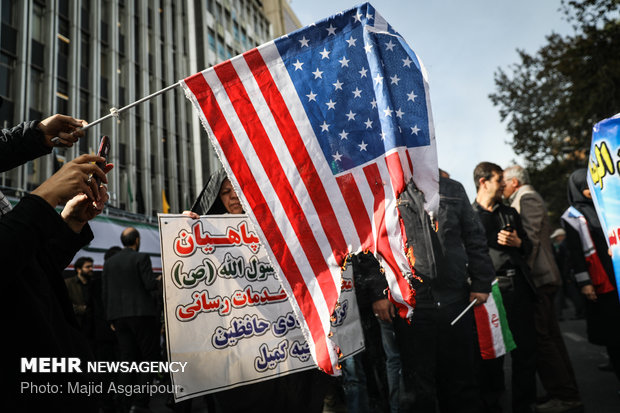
296, 392
593, 267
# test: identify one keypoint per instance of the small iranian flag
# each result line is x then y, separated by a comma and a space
494, 334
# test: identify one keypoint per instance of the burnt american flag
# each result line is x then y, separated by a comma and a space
319, 132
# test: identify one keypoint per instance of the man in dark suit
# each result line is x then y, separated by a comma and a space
130, 291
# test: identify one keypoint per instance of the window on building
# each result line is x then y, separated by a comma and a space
36, 90
7, 12
7, 70
211, 38
62, 102
63, 8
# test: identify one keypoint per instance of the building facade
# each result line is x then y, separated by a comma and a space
84, 57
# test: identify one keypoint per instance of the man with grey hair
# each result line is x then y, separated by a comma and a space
553, 364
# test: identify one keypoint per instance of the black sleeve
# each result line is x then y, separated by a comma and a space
145, 270
479, 264
34, 230
21, 144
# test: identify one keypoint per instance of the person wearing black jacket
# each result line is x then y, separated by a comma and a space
439, 358
509, 248
36, 244
129, 292
595, 273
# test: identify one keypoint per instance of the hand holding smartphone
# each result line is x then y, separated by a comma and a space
104, 151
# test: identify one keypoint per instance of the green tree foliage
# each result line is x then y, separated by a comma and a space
551, 99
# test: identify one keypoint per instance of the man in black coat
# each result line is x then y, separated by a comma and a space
509, 248
130, 291
438, 357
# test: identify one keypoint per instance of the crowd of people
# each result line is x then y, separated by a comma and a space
426, 364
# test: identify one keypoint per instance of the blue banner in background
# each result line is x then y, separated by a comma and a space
604, 182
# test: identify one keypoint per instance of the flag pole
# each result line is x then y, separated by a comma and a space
114, 112
464, 311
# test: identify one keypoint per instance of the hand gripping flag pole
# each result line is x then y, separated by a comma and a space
114, 112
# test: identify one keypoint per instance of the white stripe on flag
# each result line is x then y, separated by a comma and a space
496, 327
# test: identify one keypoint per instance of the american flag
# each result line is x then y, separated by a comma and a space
319, 131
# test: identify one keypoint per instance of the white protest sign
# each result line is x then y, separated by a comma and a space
227, 315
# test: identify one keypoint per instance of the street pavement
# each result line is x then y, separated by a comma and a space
599, 389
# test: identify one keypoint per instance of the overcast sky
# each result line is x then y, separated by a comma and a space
462, 43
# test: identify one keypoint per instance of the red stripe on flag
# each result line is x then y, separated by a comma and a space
373, 176
272, 165
299, 153
485, 337
255, 198
355, 205
395, 168
409, 161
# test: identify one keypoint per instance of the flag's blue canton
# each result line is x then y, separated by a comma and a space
362, 91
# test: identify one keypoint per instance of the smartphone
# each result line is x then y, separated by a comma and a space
508, 228
104, 151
